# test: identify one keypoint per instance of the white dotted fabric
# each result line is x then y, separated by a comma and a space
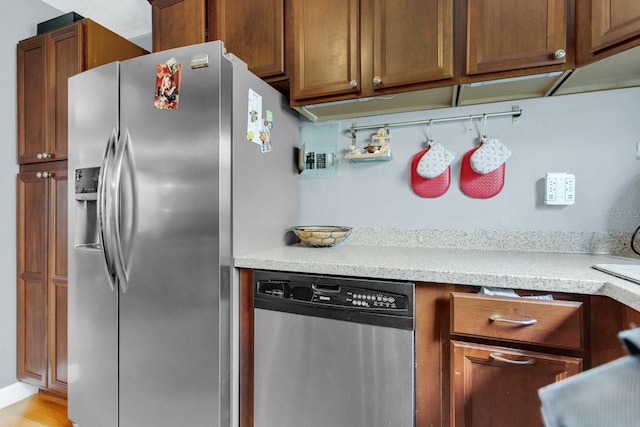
435, 161
490, 156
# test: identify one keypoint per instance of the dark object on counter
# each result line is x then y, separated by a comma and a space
58, 22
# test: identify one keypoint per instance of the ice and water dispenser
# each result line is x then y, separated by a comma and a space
86, 196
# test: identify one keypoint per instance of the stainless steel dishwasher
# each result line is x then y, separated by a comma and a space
333, 352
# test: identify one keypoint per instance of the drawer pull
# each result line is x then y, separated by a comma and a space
500, 358
498, 318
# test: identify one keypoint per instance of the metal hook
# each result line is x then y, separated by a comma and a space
484, 125
430, 132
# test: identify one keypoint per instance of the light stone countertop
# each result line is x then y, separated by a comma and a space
539, 271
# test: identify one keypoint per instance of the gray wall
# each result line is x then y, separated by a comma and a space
18, 21
145, 41
591, 135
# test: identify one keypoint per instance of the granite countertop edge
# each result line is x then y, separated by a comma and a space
537, 271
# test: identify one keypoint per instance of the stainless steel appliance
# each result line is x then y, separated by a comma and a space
162, 200
332, 351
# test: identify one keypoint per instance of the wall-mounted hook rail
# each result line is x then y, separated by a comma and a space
516, 112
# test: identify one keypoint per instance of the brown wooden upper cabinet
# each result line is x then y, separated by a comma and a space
351, 48
45, 62
177, 23
606, 27
253, 30
504, 36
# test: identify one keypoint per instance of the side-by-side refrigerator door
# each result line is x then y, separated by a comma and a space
167, 168
93, 296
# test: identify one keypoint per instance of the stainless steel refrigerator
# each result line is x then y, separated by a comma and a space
181, 159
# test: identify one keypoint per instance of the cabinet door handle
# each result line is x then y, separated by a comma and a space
41, 156
560, 54
44, 174
500, 358
353, 83
377, 80
498, 318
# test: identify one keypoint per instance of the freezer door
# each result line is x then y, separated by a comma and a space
93, 303
168, 167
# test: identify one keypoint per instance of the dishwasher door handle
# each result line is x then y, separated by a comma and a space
326, 288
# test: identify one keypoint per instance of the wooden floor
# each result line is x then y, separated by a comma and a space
39, 410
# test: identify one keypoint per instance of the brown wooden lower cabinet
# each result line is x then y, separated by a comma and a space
476, 382
498, 386
42, 275
246, 348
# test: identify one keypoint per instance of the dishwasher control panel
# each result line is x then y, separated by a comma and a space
317, 292
367, 301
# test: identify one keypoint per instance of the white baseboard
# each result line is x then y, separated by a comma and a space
16, 392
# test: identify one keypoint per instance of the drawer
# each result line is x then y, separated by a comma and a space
550, 323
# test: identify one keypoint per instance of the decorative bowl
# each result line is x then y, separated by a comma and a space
321, 236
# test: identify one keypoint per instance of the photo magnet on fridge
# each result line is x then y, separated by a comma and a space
167, 85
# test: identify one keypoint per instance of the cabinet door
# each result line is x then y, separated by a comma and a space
613, 21
42, 275
505, 35
44, 65
65, 58
57, 277
177, 23
498, 387
326, 48
253, 30
32, 99
32, 278
412, 42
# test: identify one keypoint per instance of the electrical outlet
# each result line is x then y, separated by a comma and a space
560, 188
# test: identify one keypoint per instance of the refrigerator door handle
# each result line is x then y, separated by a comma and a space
103, 212
121, 264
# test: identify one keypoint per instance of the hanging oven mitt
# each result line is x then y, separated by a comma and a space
435, 161
489, 156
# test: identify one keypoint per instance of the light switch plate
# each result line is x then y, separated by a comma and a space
560, 188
